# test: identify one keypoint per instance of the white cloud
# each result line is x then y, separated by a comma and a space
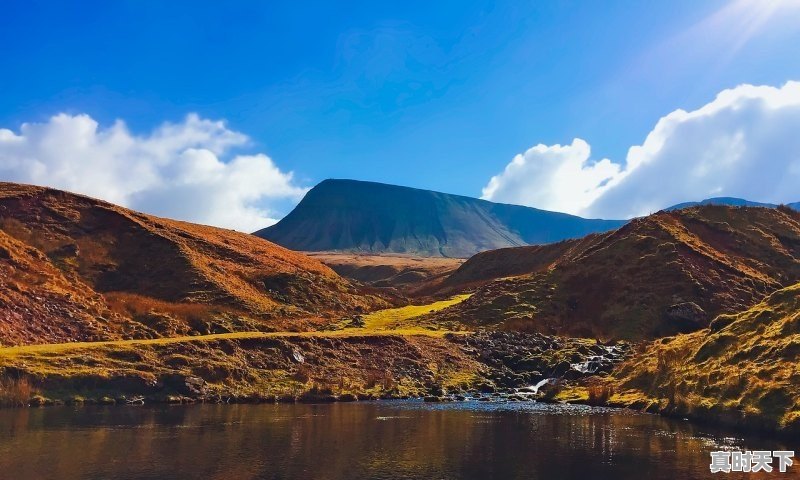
553, 178
744, 143
178, 170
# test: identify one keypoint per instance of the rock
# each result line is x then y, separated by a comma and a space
75, 400
348, 397
39, 401
68, 250
485, 388
686, 317
435, 390
562, 368
298, 357
721, 322
573, 374
106, 400
432, 399
196, 385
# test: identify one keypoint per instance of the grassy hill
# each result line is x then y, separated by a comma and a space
403, 274
742, 370
77, 268
349, 215
658, 275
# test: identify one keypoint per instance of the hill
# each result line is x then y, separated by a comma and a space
76, 268
741, 371
731, 202
403, 274
484, 267
658, 275
349, 215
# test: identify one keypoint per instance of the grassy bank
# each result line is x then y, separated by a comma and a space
263, 366
743, 371
387, 356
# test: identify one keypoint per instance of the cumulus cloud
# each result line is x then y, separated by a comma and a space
553, 178
744, 143
179, 170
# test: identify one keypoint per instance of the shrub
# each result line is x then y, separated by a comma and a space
600, 393
15, 392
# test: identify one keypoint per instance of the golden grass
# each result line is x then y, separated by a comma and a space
251, 363
744, 369
75, 346
397, 318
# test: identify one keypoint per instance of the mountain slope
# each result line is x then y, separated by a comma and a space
741, 371
140, 263
38, 303
349, 215
658, 275
490, 265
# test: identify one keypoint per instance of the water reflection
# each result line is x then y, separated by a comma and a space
386, 440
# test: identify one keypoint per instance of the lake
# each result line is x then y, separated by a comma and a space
366, 440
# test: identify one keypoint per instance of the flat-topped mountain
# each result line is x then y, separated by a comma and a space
350, 215
76, 268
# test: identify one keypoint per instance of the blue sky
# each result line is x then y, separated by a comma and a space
438, 95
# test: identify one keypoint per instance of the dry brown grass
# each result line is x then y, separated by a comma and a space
745, 372
73, 248
599, 393
15, 392
632, 283
133, 305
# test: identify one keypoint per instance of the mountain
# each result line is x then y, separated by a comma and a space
658, 275
350, 215
740, 371
76, 268
732, 202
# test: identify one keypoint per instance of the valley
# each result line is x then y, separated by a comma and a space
103, 305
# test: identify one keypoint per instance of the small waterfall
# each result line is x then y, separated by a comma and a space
534, 389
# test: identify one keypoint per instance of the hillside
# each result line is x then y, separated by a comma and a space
349, 215
658, 275
108, 272
740, 371
484, 267
401, 273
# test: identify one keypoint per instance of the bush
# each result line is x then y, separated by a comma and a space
15, 392
600, 393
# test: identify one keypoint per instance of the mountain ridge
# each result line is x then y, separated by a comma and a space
732, 202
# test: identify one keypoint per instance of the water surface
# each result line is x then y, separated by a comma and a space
368, 440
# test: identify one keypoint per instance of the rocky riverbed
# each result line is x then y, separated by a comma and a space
526, 366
